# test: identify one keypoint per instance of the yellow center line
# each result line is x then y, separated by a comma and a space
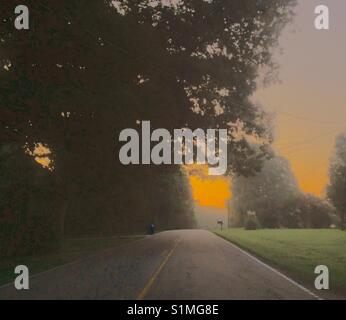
153, 278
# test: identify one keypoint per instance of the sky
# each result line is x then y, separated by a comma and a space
309, 101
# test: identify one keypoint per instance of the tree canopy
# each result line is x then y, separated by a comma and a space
87, 69
177, 63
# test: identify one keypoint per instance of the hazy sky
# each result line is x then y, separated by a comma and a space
310, 100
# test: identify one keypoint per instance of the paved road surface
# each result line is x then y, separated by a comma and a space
187, 264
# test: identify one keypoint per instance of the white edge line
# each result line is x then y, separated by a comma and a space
274, 270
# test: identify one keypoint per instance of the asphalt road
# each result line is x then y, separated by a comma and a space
187, 264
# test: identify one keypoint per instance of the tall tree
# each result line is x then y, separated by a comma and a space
87, 69
337, 175
203, 59
266, 194
183, 63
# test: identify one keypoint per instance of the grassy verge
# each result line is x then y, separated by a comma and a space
70, 250
297, 252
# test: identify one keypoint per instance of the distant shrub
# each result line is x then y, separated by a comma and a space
251, 222
250, 225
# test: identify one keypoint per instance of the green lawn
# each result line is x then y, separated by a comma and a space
297, 252
71, 250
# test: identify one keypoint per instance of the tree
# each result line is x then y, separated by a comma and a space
204, 60
86, 70
308, 211
336, 190
28, 205
193, 63
272, 197
264, 194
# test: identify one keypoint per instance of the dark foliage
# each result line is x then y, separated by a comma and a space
85, 70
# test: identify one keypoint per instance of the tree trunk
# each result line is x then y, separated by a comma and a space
63, 212
343, 221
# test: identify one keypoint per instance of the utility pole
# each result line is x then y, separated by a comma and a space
229, 214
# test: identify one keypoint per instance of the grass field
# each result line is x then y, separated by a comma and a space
71, 250
297, 252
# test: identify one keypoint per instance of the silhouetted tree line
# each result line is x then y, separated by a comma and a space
272, 199
84, 71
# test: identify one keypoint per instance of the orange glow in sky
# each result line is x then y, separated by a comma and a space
309, 102
210, 192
